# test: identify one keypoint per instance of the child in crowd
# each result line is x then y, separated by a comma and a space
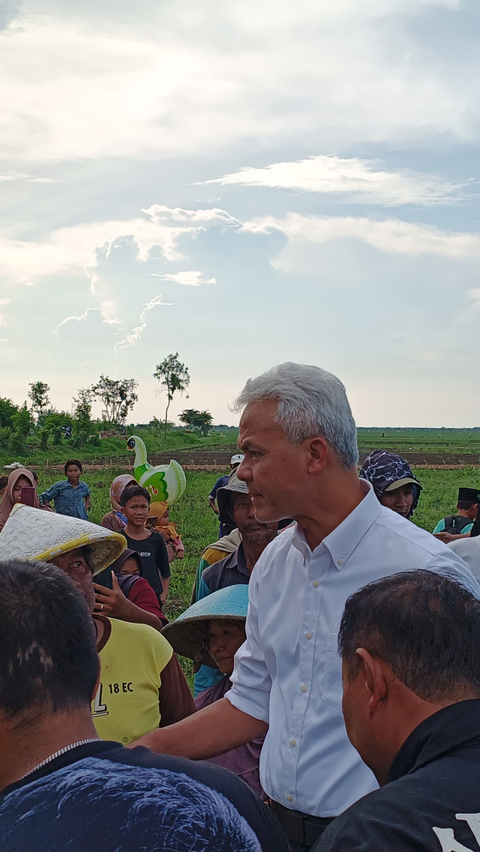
135, 503
71, 497
159, 521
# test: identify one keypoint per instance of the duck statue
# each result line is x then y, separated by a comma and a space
165, 483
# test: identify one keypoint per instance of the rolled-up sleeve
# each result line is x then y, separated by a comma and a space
251, 682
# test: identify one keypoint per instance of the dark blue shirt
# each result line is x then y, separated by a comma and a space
220, 483
101, 797
67, 499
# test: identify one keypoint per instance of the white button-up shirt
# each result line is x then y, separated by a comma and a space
288, 672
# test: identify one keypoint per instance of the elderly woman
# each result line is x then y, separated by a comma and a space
18, 479
210, 632
393, 481
115, 520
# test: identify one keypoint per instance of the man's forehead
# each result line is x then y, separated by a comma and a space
258, 418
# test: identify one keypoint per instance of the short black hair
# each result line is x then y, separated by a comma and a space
466, 504
424, 625
35, 475
133, 491
73, 461
49, 660
3, 482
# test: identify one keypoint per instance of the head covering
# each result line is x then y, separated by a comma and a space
468, 495
120, 561
31, 534
7, 502
386, 472
237, 458
188, 635
157, 510
235, 486
118, 485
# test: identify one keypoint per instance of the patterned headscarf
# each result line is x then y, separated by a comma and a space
382, 469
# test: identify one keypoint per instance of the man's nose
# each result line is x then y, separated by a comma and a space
244, 472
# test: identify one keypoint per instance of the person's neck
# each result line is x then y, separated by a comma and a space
464, 513
25, 750
73, 482
137, 532
336, 498
253, 551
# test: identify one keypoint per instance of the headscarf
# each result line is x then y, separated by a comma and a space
7, 502
382, 469
157, 510
116, 489
127, 554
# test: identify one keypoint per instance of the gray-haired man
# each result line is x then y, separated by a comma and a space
299, 439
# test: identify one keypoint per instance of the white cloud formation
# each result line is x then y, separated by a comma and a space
361, 181
134, 337
21, 177
160, 86
192, 278
390, 235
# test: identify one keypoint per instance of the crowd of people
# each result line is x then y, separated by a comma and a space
334, 645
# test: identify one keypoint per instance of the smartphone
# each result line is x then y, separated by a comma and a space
28, 496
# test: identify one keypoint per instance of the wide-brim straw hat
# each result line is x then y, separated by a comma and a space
38, 535
188, 635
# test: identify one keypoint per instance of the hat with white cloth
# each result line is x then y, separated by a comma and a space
32, 534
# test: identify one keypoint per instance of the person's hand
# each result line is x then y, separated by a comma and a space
111, 601
180, 554
445, 537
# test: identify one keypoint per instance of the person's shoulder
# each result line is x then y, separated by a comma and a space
137, 634
392, 524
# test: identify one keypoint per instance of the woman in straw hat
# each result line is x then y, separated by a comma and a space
210, 632
18, 479
141, 685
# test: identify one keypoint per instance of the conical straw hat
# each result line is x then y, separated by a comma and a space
35, 534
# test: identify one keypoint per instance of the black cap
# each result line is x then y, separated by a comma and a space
468, 495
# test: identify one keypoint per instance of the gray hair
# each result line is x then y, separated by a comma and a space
310, 402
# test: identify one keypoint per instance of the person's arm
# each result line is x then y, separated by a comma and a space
50, 494
112, 602
88, 498
440, 527
212, 504
163, 565
166, 586
448, 537
174, 696
211, 731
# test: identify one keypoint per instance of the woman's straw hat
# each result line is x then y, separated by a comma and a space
188, 635
33, 534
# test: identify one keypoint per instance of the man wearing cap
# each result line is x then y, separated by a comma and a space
454, 526
141, 685
236, 509
235, 461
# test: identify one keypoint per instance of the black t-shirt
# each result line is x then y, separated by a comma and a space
154, 556
101, 796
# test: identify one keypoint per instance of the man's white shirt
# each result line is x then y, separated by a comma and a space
288, 672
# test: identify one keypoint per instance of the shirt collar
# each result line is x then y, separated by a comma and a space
447, 729
343, 540
241, 561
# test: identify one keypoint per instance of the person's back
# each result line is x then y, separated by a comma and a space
411, 667
62, 789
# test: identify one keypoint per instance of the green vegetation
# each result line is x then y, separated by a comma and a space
403, 441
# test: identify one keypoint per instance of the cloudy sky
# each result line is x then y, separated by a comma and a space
244, 183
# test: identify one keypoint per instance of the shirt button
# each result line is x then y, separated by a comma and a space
304, 688
315, 584
289, 798
340, 562
293, 742
308, 635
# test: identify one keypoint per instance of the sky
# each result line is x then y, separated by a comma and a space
244, 184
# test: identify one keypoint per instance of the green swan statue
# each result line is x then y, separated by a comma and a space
165, 483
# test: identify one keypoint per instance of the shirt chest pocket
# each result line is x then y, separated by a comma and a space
331, 684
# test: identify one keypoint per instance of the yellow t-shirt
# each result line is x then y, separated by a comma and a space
132, 658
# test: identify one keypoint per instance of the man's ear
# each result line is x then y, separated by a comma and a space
373, 675
317, 449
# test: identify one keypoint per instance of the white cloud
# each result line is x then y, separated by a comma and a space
389, 235
24, 178
362, 181
134, 337
4, 301
191, 278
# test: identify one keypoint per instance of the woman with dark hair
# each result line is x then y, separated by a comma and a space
131, 597
393, 481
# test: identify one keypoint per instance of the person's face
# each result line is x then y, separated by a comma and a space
252, 530
73, 472
22, 482
75, 565
273, 468
130, 566
225, 640
136, 511
400, 500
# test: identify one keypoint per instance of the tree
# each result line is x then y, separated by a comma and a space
8, 410
174, 376
82, 411
201, 421
22, 421
38, 394
117, 396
